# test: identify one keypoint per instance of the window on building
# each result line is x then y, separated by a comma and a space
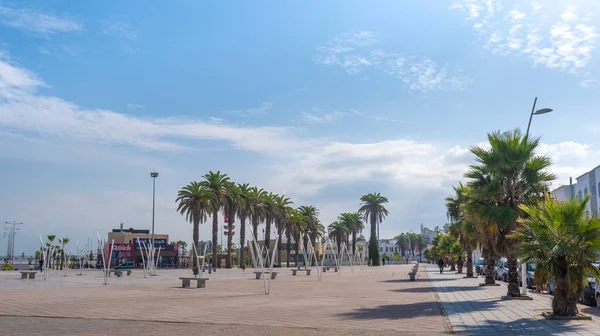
593, 190
579, 195
386, 249
381, 249
585, 191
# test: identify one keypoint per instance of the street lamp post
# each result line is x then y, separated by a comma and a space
534, 112
524, 265
154, 175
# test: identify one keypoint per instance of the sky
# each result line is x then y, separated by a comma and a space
320, 101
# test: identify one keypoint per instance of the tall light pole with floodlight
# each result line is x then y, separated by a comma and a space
534, 112
154, 175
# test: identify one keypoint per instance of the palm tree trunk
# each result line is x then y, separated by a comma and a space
288, 234
374, 244
215, 236
489, 272
469, 263
243, 242
230, 220
195, 237
460, 264
279, 234
564, 302
255, 227
513, 276
353, 242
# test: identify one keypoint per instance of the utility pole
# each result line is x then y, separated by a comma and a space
12, 231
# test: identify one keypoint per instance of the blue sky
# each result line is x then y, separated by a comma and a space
320, 101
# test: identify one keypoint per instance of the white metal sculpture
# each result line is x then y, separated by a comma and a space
106, 267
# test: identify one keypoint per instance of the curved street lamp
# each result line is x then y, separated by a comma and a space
534, 112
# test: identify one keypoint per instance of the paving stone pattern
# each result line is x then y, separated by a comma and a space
475, 310
373, 301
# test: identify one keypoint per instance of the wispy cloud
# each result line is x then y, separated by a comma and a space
22, 110
135, 106
589, 83
263, 109
354, 53
36, 21
560, 39
375, 117
321, 118
118, 28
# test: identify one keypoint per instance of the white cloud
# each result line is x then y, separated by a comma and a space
353, 53
326, 117
118, 28
22, 110
554, 37
135, 106
589, 83
36, 21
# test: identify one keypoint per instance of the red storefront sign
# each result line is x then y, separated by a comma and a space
122, 247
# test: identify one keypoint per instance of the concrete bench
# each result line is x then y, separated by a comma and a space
200, 282
258, 274
28, 274
412, 275
297, 270
119, 272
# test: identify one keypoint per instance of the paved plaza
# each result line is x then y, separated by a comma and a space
372, 300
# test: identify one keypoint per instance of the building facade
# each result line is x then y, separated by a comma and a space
587, 184
127, 248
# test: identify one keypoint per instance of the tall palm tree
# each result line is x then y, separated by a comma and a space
64, 241
195, 202
282, 204
215, 183
354, 223
243, 213
402, 242
462, 227
293, 227
515, 176
257, 211
563, 241
337, 231
268, 204
50, 246
230, 207
182, 244
373, 210
313, 227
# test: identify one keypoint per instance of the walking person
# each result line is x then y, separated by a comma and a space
441, 265
41, 264
383, 261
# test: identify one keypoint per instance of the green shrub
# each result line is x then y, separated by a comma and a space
7, 267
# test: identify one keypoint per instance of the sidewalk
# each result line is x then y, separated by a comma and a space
475, 310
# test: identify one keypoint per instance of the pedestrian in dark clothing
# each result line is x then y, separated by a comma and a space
441, 265
41, 264
383, 261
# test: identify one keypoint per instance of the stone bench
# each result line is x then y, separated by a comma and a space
258, 274
119, 272
28, 274
412, 275
297, 270
200, 282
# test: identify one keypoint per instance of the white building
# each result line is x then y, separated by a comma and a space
587, 184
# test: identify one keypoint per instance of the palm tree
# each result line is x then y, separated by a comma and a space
63, 242
243, 213
257, 211
563, 241
293, 227
512, 174
182, 244
461, 227
268, 204
373, 210
337, 231
354, 224
312, 225
282, 204
232, 201
50, 245
215, 183
195, 202
402, 242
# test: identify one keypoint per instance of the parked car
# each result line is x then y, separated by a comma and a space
530, 272
480, 267
501, 270
588, 297
126, 265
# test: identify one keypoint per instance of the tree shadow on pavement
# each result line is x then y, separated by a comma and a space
394, 312
416, 280
431, 289
523, 326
